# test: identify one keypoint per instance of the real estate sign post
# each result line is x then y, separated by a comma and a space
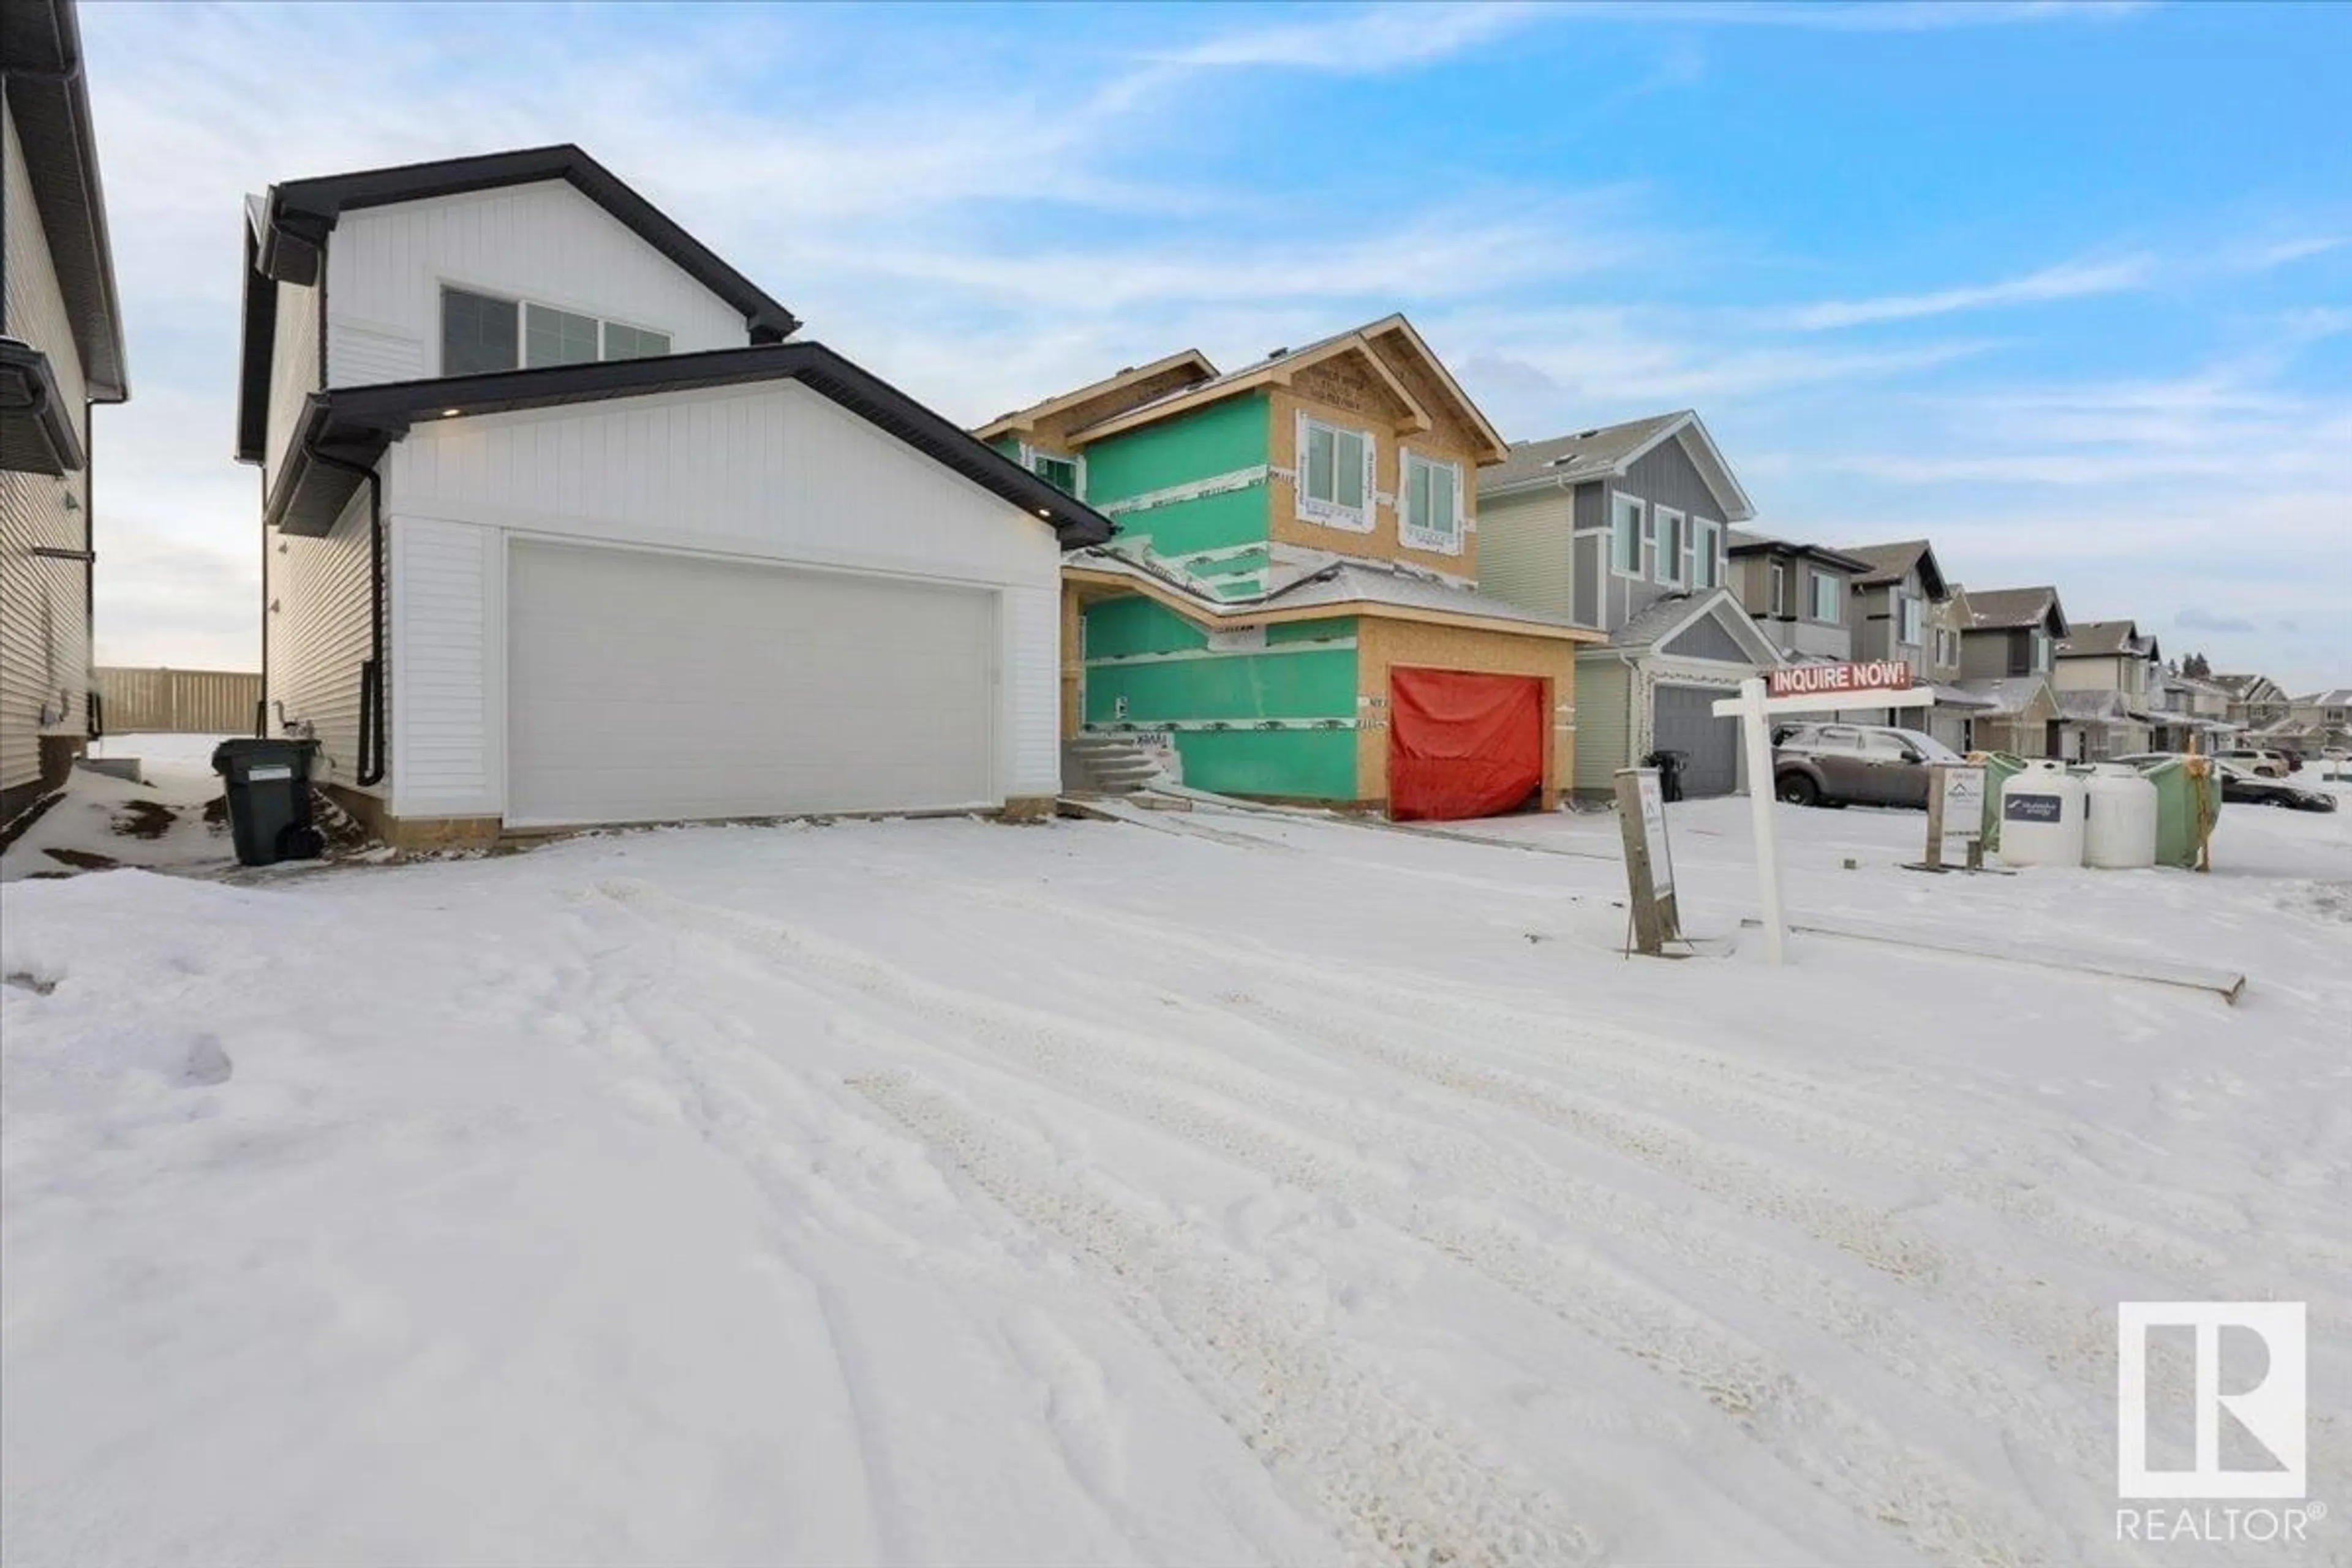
1800, 689
1955, 810
1649, 864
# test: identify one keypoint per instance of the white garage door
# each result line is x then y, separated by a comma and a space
649, 687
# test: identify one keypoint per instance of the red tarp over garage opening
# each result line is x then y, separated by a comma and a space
1463, 745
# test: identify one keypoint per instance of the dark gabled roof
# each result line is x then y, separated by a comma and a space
1737, 542
1892, 563
2010, 609
1609, 451
353, 425
40, 51
37, 429
287, 234
2107, 639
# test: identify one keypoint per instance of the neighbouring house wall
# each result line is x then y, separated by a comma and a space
1951, 613
1604, 722
544, 242
768, 472
1525, 550
44, 602
2096, 673
1145, 664
1985, 655
1873, 618
1794, 631
318, 637
1388, 645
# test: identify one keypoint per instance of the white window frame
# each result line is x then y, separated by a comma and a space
1910, 619
522, 304
1673, 528
1706, 549
1330, 514
2041, 652
1776, 589
1815, 577
1029, 455
1624, 508
1443, 542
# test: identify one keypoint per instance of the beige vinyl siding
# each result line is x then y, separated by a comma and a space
1523, 550
1603, 723
293, 370
43, 617
317, 632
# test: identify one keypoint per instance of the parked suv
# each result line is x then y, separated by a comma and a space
2269, 764
1856, 764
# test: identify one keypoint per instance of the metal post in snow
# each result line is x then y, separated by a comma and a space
1756, 733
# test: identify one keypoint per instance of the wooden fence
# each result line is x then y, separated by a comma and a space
182, 701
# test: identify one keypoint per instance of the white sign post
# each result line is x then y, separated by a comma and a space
1800, 689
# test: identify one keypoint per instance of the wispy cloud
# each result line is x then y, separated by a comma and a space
2068, 281
1373, 40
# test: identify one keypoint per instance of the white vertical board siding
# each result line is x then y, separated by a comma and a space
44, 612
774, 473
293, 372
1523, 550
443, 717
385, 267
318, 635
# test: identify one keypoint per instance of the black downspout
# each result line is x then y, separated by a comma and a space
93, 706
371, 770
261, 706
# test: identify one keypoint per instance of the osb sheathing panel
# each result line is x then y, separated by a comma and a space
1381, 644
1073, 661
1052, 431
1454, 430
1445, 443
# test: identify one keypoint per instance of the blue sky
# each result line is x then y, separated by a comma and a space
2067, 290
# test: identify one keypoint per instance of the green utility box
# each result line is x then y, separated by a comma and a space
2188, 804
2000, 768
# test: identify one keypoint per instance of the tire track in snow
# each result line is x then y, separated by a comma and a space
1401, 1484
1877, 1130
1848, 1455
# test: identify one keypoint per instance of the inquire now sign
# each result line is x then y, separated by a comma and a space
1836, 679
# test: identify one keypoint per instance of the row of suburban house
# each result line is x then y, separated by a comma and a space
563, 523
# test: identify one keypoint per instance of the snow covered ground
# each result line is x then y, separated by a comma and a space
1233, 1189
158, 821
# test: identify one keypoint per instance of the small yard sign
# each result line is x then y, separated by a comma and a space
1838, 680
1955, 811
1649, 863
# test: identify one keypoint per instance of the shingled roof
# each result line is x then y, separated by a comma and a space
1995, 609
1606, 451
1892, 563
2106, 639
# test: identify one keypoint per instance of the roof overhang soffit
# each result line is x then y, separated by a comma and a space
1399, 331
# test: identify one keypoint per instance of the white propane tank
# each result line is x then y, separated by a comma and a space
2118, 818
2041, 816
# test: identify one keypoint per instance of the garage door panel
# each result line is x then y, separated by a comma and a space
644, 687
1686, 723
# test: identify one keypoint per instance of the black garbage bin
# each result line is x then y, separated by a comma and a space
1670, 764
268, 789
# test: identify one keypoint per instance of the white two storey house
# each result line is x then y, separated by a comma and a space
563, 526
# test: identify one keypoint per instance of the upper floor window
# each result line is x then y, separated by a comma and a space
1910, 615
1948, 645
482, 333
1673, 541
1430, 509
1706, 553
1335, 474
2041, 652
1827, 592
1065, 474
1779, 599
1625, 535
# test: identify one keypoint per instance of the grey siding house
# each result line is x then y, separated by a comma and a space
1902, 608
1797, 593
2101, 675
2008, 653
60, 353
1626, 529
